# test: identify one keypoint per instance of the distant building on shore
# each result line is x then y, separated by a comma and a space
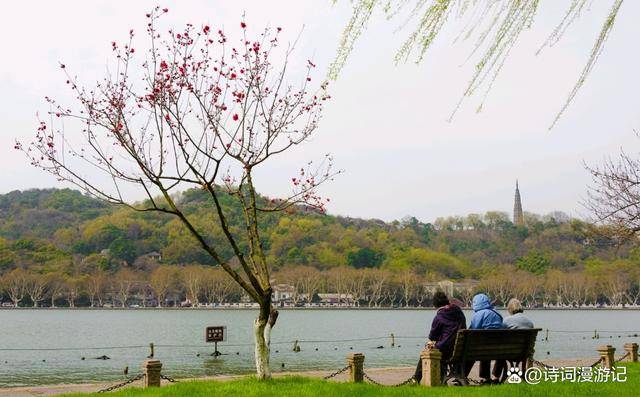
518, 216
333, 299
283, 293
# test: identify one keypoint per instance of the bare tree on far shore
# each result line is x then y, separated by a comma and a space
15, 283
163, 281
96, 286
55, 287
614, 196
35, 287
217, 285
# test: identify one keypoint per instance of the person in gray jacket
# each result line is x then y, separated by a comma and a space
515, 320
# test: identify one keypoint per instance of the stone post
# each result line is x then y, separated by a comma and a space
431, 367
151, 370
632, 350
355, 361
606, 352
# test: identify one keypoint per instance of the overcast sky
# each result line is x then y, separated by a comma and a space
387, 124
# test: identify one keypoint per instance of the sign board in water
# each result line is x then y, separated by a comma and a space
216, 334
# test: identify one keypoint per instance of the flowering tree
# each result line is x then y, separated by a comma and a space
196, 111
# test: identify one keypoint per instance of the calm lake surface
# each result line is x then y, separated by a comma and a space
179, 339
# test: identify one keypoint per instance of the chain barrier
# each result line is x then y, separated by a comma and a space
547, 366
368, 378
409, 381
474, 381
596, 363
73, 348
119, 385
206, 346
623, 357
542, 365
334, 374
407, 337
168, 378
600, 360
375, 382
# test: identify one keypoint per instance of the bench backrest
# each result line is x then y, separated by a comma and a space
494, 344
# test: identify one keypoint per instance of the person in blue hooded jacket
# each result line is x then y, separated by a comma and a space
484, 317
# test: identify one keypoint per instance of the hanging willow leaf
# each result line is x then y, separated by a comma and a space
496, 26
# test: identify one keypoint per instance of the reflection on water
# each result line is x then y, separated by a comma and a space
326, 336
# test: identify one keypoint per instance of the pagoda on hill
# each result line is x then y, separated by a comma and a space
518, 216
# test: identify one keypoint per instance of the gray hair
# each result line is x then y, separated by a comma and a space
514, 306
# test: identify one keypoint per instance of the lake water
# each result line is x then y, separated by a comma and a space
179, 339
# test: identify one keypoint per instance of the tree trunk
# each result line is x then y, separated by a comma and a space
15, 300
262, 334
262, 327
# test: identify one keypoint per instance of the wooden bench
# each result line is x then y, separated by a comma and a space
515, 345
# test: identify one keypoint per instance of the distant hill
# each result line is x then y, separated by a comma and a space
63, 230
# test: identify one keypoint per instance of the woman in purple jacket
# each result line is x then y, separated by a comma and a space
442, 336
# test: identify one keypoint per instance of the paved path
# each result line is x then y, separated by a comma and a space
387, 376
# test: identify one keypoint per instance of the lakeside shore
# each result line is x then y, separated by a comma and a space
386, 375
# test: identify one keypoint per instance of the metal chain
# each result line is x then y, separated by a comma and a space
119, 385
371, 380
623, 357
596, 363
601, 359
541, 364
334, 374
168, 378
546, 366
406, 382
475, 382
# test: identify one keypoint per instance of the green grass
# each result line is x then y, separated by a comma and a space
302, 387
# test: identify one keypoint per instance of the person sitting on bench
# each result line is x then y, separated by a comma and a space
515, 320
444, 327
484, 317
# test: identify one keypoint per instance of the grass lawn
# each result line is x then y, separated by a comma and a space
300, 387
